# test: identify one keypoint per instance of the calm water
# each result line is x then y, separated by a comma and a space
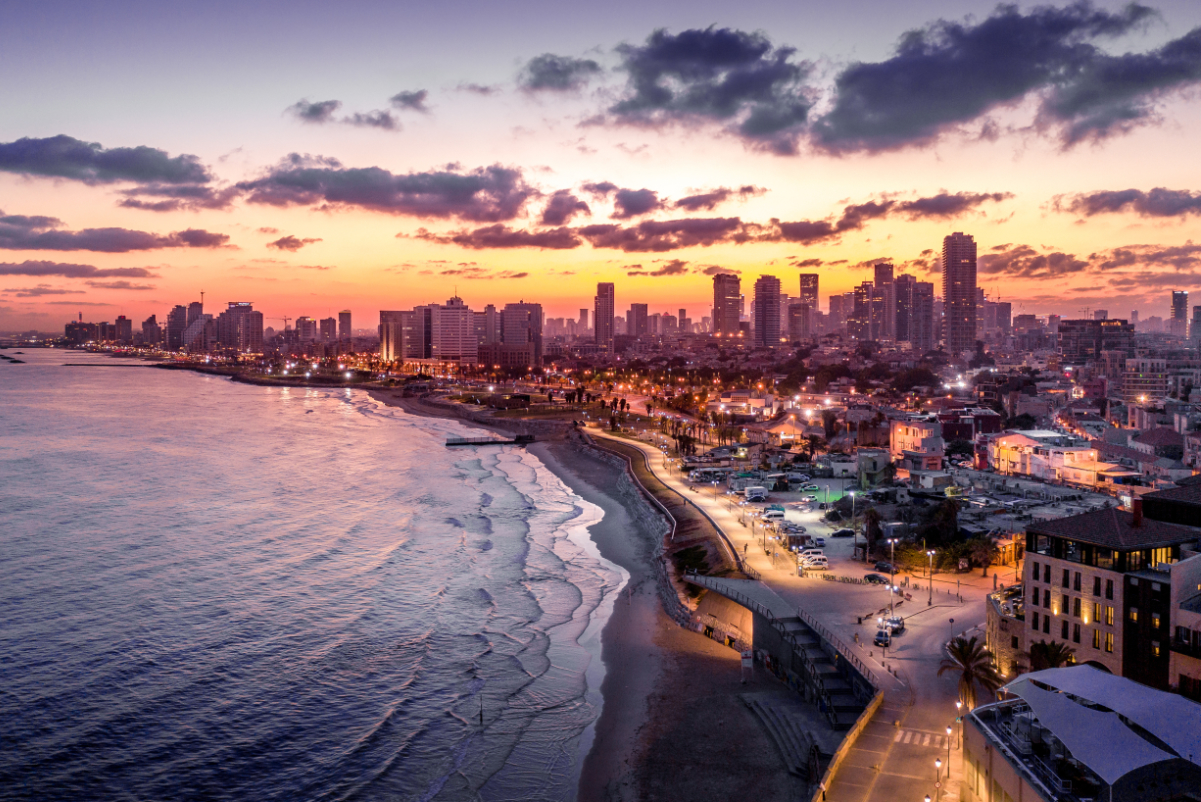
216, 591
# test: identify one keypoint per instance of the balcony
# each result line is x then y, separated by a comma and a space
1188, 648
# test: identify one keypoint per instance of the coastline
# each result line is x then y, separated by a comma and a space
672, 724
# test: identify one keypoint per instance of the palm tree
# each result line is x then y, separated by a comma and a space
972, 660
1048, 654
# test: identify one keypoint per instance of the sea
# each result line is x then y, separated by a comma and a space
218, 591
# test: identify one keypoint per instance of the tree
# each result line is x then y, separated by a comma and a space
1025, 422
960, 448
871, 528
982, 551
974, 664
1048, 654
943, 525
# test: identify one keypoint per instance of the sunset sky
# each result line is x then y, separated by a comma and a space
311, 157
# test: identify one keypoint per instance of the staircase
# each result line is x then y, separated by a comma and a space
786, 730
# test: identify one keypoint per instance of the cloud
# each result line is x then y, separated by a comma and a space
484, 90
718, 270
383, 120
118, 285
40, 291
178, 198
36, 233
291, 243
855, 216
89, 162
634, 202
549, 72
1023, 261
475, 272
1109, 95
708, 201
1158, 202
486, 194
950, 73
676, 267
945, 204
808, 263
501, 236
29, 268
657, 236
77, 303
716, 75
268, 230
561, 207
1177, 257
320, 112
411, 101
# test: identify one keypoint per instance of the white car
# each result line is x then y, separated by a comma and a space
815, 563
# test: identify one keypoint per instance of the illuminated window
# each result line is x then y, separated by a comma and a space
1155, 620
1109, 615
1109, 642
1134, 615
1096, 612
1096, 639
1155, 651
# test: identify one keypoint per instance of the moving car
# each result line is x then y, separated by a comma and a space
883, 637
756, 494
820, 542
843, 533
885, 566
896, 624
810, 487
773, 515
876, 579
808, 499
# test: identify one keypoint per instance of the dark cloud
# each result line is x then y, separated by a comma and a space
945, 204
475, 272
719, 75
1108, 95
634, 202
666, 235
708, 201
268, 230
1023, 261
676, 267
549, 72
36, 233
66, 157
561, 207
1158, 202
383, 120
501, 236
808, 263
717, 270
952, 73
601, 189
118, 285
1177, 257
411, 101
320, 112
291, 243
72, 270
178, 198
486, 194
40, 291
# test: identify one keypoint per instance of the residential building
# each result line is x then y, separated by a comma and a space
521, 324
800, 322
767, 311
959, 293
809, 283
1078, 733
726, 304
327, 330
1083, 341
1101, 584
637, 322
1145, 381
916, 444
177, 321
885, 291
152, 333
345, 332
124, 327
1178, 324
240, 328
306, 329
603, 311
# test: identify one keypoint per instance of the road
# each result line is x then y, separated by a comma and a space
894, 757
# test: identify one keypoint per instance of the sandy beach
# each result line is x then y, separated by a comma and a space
672, 725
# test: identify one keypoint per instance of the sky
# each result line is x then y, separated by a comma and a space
312, 157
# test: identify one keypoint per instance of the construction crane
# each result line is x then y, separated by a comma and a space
285, 319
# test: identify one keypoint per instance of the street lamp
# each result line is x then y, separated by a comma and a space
959, 719
930, 578
948, 750
855, 542
938, 777
892, 572
715, 491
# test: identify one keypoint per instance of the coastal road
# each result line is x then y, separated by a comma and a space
894, 757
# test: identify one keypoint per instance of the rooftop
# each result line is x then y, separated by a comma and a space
1113, 528
1185, 494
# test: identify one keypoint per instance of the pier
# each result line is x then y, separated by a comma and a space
518, 440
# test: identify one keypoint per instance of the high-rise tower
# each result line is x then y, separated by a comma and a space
959, 292
767, 311
726, 304
602, 314
809, 290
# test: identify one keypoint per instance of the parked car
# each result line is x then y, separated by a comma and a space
810, 487
876, 579
883, 637
821, 506
843, 533
896, 624
884, 565
815, 563
820, 542
773, 515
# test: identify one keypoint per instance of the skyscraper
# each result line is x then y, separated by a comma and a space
809, 290
923, 325
767, 311
195, 310
240, 328
328, 328
521, 324
344, 326
177, 322
959, 292
583, 324
726, 304
886, 329
1178, 325
602, 312
636, 321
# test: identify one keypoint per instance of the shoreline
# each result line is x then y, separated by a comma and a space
672, 723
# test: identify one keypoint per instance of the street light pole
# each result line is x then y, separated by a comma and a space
892, 574
959, 721
938, 778
930, 578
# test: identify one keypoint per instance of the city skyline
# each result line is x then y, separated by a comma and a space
313, 188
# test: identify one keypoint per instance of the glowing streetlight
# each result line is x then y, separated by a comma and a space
930, 598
